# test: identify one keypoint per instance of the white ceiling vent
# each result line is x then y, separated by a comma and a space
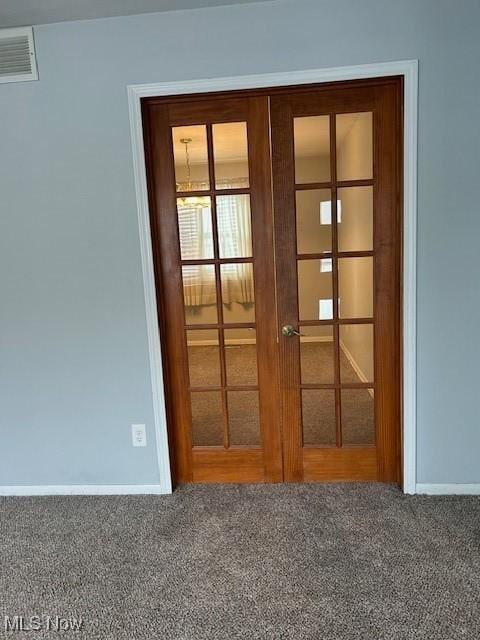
17, 55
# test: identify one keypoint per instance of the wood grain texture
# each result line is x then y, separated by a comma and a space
166, 255
232, 465
383, 99
283, 171
269, 115
387, 280
264, 277
346, 464
244, 462
207, 111
335, 293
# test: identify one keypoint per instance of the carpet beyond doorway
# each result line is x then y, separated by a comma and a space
290, 562
318, 406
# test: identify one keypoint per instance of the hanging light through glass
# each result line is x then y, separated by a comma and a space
192, 202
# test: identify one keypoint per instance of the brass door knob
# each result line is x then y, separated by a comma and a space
289, 331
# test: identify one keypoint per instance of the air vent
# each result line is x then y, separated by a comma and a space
17, 55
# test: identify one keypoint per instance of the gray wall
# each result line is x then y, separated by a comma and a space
74, 363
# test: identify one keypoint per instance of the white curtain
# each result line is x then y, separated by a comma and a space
235, 241
196, 241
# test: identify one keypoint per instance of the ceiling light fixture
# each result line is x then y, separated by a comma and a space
191, 202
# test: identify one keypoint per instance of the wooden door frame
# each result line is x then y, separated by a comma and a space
230, 462
409, 71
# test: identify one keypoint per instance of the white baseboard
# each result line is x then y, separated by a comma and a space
82, 490
450, 489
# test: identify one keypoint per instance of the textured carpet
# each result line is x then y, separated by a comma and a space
284, 562
318, 406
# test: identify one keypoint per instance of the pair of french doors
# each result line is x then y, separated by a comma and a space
275, 219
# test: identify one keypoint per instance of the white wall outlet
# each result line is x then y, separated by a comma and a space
139, 435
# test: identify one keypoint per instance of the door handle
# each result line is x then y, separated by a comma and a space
289, 331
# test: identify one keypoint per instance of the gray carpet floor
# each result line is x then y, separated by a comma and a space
289, 562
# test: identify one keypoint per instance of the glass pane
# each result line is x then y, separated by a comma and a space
358, 423
356, 352
207, 418
355, 287
314, 220
203, 358
234, 226
312, 149
316, 355
230, 150
243, 417
355, 219
238, 292
354, 146
241, 356
318, 414
314, 290
199, 294
195, 228
191, 157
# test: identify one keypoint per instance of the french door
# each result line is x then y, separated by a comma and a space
276, 233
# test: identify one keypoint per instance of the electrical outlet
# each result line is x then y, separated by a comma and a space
139, 435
